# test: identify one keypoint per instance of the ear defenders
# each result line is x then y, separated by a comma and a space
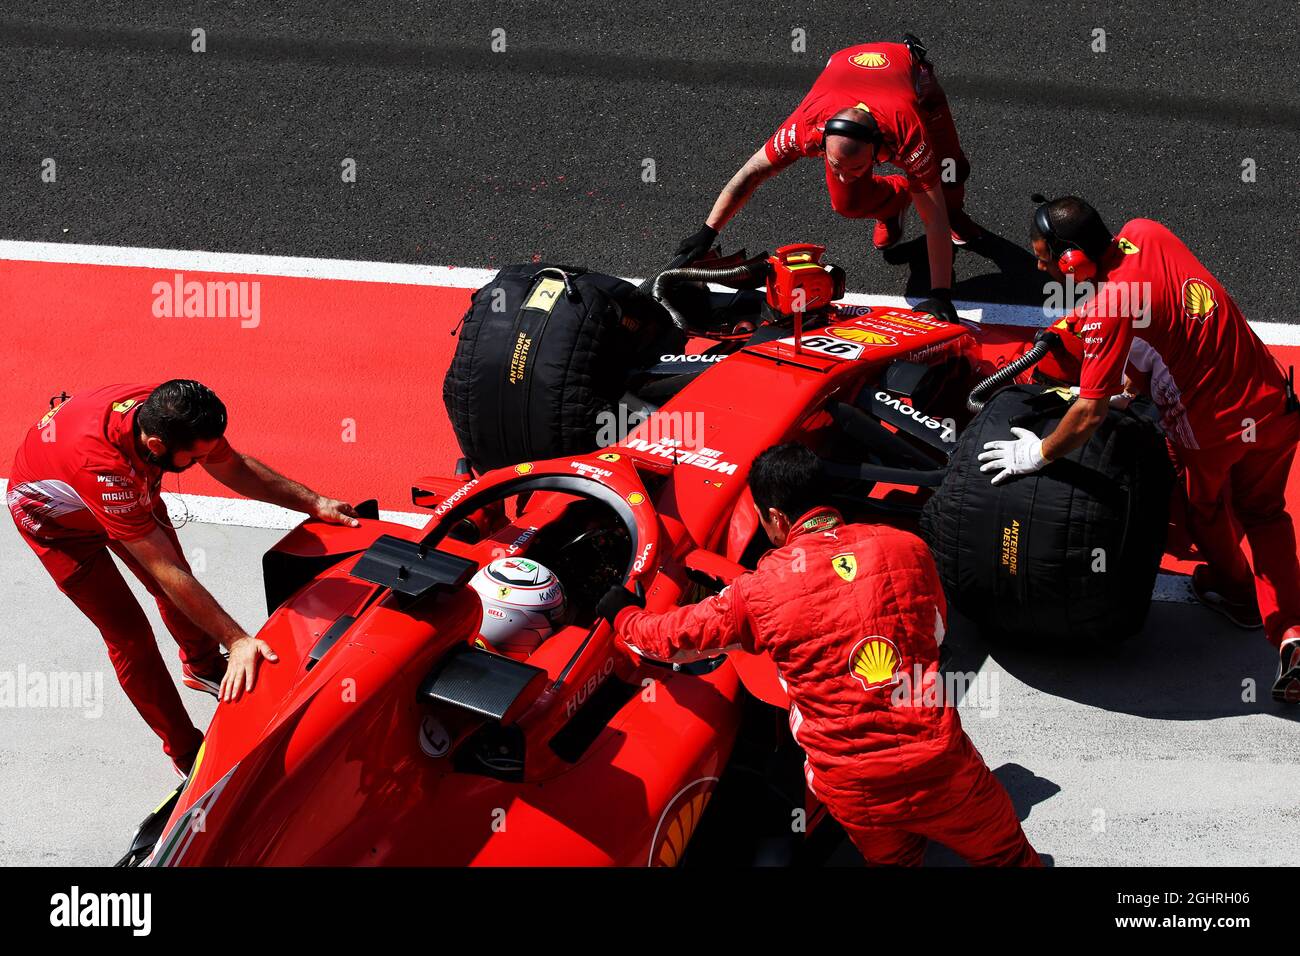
862, 132
1071, 259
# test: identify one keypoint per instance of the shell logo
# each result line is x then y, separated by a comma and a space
874, 662
635, 498
1198, 300
678, 823
524, 469
865, 336
870, 60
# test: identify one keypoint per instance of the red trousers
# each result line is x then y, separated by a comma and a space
85, 572
1246, 481
976, 821
879, 197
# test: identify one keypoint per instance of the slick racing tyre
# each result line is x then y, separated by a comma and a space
1064, 559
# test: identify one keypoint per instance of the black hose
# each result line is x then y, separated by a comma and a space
981, 392
665, 280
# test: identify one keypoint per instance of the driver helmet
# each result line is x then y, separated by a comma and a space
523, 604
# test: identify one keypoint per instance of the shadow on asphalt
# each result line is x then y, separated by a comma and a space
1013, 277
1184, 665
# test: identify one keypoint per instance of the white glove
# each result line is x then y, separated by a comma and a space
1024, 456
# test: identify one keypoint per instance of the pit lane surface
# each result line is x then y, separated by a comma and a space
1148, 757
467, 156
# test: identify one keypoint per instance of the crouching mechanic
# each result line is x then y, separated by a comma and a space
853, 616
873, 103
1224, 403
85, 484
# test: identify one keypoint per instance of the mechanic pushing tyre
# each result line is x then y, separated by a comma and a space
1159, 322
1063, 559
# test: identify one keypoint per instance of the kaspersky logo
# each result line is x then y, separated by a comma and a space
875, 663
1198, 300
870, 60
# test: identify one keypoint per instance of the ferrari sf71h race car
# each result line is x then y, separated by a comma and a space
388, 734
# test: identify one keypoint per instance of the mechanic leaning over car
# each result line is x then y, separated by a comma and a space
1226, 406
873, 103
853, 616
86, 483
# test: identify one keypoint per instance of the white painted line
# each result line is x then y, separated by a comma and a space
238, 263
208, 509
458, 277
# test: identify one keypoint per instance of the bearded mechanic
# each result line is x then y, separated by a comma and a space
85, 484
1225, 405
853, 617
873, 103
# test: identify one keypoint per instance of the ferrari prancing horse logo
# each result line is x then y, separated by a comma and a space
845, 565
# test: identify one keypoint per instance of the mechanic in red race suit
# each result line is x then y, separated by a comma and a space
1225, 405
853, 616
85, 483
873, 103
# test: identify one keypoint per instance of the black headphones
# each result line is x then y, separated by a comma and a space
854, 130
1070, 256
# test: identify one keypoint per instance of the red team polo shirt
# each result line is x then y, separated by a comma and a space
876, 77
77, 478
1200, 361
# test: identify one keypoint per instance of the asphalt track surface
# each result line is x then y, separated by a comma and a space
467, 156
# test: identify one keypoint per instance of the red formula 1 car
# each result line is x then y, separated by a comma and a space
386, 734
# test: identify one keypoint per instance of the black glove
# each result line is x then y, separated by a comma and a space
697, 244
939, 304
615, 599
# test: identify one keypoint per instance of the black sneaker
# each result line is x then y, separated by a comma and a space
1245, 614
1286, 689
